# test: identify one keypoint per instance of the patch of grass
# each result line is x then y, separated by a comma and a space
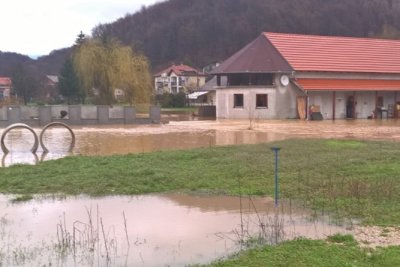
180, 110
309, 253
344, 144
22, 198
342, 239
352, 179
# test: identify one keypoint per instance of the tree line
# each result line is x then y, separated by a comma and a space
95, 68
199, 32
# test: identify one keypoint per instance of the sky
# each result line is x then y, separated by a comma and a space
36, 27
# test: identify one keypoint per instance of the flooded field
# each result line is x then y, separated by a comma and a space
120, 139
151, 230
158, 230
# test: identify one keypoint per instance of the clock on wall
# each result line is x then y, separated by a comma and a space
284, 80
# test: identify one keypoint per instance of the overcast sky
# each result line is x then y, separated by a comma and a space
36, 27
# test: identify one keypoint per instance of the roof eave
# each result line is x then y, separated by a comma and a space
254, 72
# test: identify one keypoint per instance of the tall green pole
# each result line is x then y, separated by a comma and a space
276, 152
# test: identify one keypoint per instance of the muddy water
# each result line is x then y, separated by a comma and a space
151, 230
107, 140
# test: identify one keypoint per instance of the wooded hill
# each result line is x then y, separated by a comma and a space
199, 32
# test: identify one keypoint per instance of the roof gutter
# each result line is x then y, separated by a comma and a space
301, 89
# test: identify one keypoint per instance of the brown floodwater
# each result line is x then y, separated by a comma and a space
122, 139
161, 230
150, 230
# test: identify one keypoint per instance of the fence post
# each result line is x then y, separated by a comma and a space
276, 152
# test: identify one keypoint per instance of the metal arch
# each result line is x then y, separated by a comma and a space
3, 159
52, 124
15, 126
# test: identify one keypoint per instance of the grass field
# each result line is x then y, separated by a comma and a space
334, 252
349, 179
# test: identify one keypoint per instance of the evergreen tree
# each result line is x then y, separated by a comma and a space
69, 83
80, 39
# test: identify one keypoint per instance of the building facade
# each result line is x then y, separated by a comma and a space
178, 79
5, 88
281, 76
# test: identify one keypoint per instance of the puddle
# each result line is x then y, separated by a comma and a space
151, 230
120, 139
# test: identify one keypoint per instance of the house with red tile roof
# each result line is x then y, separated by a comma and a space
5, 87
178, 78
279, 76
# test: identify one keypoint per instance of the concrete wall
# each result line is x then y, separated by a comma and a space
116, 112
281, 102
29, 112
3, 113
89, 112
77, 115
55, 110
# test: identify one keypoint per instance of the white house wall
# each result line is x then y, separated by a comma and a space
281, 102
365, 102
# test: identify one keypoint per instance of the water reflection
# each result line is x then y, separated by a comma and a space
29, 158
151, 230
121, 139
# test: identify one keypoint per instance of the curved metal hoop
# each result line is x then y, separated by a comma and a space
52, 124
3, 159
16, 126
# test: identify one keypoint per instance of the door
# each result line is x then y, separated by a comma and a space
301, 107
350, 104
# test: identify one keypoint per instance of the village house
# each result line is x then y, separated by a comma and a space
50, 90
178, 79
205, 95
282, 76
5, 88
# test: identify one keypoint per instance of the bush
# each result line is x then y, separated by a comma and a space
168, 100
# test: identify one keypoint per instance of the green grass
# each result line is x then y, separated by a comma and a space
357, 179
180, 110
309, 253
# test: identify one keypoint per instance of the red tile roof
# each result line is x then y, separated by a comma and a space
5, 81
349, 84
180, 70
337, 54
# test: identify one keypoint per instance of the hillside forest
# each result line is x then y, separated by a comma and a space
200, 32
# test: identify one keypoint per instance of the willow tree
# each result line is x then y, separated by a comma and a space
104, 66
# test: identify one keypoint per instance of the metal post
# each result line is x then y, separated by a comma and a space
276, 150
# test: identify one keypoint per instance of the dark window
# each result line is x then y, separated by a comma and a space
248, 79
218, 80
238, 100
261, 101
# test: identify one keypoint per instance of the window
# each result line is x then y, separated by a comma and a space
249, 79
238, 100
261, 101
